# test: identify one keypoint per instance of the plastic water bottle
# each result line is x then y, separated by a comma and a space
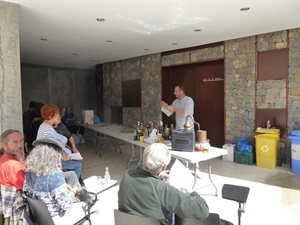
106, 175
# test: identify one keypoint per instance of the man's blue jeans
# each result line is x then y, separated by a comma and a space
75, 166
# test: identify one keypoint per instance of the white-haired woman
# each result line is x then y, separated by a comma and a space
44, 180
144, 192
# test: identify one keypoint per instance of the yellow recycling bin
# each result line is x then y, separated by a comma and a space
266, 147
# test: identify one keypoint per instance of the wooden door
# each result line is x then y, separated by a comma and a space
204, 82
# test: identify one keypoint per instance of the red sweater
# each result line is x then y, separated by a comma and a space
11, 172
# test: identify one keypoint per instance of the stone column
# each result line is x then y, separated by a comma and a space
10, 78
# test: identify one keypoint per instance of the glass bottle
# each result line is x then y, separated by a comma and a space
106, 175
138, 130
171, 130
166, 132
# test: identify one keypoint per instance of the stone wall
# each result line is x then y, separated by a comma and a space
239, 88
147, 69
243, 93
294, 78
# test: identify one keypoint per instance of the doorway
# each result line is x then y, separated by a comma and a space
204, 82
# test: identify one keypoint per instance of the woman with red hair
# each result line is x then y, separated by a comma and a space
50, 114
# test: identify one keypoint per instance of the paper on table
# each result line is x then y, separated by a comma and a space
165, 111
76, 156
180, 176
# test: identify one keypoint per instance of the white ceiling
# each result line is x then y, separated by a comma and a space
76, 40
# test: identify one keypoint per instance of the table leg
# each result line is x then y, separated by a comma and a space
113, 141
141, 157
209, 173
132, 155
195, 176
102, 146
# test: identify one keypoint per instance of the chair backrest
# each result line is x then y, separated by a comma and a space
212, 219
122, 218
235, 193
39, 212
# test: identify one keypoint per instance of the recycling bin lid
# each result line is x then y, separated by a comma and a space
295, 133
267, 131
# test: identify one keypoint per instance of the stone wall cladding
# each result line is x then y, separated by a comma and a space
272, 41
107, 92
130, 117
207, 54
151, 87
116, 83
148, 69
239, 89
271, 94
131, 69
176, 59
294, 78
240, 82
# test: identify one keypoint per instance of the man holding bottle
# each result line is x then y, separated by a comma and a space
183, 106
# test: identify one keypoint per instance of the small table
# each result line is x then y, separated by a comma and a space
96, 185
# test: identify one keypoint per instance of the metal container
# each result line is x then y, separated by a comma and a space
183, 140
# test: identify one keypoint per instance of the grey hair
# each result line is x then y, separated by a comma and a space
44, 159
155, 158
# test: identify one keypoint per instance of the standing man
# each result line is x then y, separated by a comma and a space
183, 106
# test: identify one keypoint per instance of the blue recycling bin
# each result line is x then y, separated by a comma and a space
294, 137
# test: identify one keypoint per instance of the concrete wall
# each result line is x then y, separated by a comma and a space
10, 81
60, 86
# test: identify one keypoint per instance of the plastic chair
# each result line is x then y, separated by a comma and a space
238, 194
122, 218
39, 214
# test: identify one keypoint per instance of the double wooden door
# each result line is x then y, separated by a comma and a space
204, 82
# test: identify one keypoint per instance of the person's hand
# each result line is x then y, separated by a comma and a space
74, 149
163, 104
165, 174
170, 108
65, 156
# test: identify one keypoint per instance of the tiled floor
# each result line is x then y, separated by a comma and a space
274, 196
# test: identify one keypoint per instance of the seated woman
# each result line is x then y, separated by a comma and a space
44, 180
50, 114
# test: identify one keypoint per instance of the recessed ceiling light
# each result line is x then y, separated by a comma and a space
245, 9
174, 43
110, 41
74, 54
100, 19
197, 30
43, 39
